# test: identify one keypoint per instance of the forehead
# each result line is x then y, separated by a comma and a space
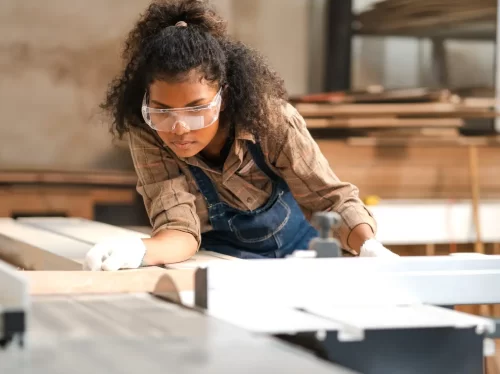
178, 94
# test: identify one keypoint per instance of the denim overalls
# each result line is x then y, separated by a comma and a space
274, 230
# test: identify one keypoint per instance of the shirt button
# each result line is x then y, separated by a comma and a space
249, 200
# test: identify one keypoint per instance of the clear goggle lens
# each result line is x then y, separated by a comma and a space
191, 118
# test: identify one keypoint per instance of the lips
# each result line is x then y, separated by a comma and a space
183, 144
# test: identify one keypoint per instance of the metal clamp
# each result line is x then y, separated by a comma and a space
325, 245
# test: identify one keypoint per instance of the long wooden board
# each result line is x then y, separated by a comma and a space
92, 232
62, 243
35, 249
383, 122
88, 177
385, 110
152, 280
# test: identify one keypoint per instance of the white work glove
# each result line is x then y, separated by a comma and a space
373, 248
115, 253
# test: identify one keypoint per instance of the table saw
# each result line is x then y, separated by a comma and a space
303, 313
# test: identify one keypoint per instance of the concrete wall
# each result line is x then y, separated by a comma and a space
57, 57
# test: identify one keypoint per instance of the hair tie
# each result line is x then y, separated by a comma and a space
181, 24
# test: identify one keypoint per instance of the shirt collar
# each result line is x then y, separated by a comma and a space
243, 134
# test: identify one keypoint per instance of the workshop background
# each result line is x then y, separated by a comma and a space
410, 118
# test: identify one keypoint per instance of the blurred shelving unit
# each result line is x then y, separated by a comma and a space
437, 21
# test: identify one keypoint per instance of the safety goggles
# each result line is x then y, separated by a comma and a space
191, 118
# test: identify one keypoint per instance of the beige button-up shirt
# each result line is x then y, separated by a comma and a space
173, 201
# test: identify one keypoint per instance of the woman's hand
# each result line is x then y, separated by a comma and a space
116, 253
166, 247
363, 240
373, 248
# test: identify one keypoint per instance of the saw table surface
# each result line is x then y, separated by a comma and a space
139, 333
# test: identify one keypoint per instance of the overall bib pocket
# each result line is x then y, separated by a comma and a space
256, 228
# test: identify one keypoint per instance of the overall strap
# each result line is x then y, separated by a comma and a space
205, 185
259, 159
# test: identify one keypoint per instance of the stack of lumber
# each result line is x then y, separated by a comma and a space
417, 115
414, 16
66, 193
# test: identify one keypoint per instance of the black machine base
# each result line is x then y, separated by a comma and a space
409, 351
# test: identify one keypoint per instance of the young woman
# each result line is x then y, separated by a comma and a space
224, 163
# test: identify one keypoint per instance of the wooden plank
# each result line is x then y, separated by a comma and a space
382, 122
83, 230
382, 95
29, 257
152, 280
356, 110
385, 110
416, 132
36, 249
423, 141
90, 177
92, 232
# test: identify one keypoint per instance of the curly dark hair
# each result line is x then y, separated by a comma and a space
156, 49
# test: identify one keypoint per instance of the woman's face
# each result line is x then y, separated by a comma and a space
192, 92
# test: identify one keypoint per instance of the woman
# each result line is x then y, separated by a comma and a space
224, 163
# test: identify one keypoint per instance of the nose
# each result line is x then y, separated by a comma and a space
180, 128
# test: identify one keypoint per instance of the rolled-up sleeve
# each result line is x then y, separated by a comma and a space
163, 187
311, 179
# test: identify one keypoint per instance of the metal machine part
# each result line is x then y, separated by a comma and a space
13, 305
349, 310
325, 245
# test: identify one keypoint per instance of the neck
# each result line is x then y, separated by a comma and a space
213, 150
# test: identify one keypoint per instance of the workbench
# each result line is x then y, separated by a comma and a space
361, 315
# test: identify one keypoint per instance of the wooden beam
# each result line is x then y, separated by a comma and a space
62, 243
92, 232
29, 257
88, 177
382, 122
36, 247
152, 280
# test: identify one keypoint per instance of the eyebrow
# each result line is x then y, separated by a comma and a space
192, 103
